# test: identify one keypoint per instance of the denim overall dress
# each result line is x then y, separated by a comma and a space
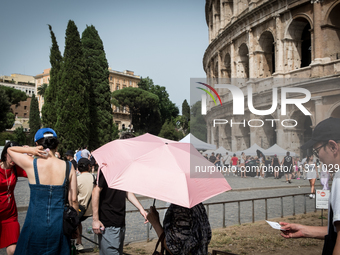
42, 232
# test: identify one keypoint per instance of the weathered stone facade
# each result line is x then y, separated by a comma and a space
272, 44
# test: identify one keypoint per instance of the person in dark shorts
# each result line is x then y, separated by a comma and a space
276, 166
287, 166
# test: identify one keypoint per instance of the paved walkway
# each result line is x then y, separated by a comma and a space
243, 188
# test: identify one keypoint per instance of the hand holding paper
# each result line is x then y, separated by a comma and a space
274, 225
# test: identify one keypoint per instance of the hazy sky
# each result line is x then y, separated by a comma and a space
164, 40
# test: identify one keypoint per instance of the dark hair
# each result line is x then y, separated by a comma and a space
82, 167
4, 154
127, 135
309, 157
48, 142
4, 151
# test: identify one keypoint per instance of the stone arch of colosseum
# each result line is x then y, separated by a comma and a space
281, 42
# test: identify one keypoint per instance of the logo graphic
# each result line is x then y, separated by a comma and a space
238, 99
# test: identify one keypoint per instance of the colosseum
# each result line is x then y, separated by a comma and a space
270, 44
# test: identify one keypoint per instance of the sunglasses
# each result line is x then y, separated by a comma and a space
316, 150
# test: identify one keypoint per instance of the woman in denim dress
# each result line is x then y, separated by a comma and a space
42, 232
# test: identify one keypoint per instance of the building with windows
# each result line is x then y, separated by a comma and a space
21, 82
40, 79
270, 44
117, 80
120, 80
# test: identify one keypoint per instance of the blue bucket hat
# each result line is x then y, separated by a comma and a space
41, 133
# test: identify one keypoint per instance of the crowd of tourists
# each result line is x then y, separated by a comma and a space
54, 186
310, 168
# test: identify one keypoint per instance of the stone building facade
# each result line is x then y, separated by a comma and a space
120, 80
270, 44
117, 80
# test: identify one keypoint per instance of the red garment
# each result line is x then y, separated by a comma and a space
9, 225
234, 160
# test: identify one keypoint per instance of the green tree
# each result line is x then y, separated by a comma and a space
167, 108
42, 89
20, 136
9, 96
6, 136
143, 107
186, 109
198, 125
14, 95
34, 122
169, 131
72, 104
101, 116
49, 109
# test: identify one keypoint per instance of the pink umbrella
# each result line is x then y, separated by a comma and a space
159, 168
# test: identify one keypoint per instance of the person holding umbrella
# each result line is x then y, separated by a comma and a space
108, 207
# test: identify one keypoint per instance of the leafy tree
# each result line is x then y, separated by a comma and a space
101, 116
72, 104
143, 106
34, 122
168, 109
8, 96
198, 126
6, 136
49, 109
182, 124
42, 89
169, 131
20, 136
186, 109
14, 95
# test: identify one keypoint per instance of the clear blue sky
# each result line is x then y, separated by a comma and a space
164, 40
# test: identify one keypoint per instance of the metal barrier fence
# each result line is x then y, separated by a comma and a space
209, 205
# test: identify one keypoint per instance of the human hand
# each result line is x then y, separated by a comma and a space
97, 226
153, 215
144, 214
291, 230
39, 151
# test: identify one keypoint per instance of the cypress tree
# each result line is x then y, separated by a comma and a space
49, 109
186, 110
72, 103
34, 121
101, 116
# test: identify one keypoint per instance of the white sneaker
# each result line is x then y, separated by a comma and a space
256, 176
313, 195
79, 247
261, 177
310, 195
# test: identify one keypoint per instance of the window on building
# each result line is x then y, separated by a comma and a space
110, 78
25, 107
130, 82
123, 126
117, 88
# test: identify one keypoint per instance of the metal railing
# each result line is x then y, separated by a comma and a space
208, 205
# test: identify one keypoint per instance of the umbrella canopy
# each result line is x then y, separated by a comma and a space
159, 168
276, 149
197, 143
260, 154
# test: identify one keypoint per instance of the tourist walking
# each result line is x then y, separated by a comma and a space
85, 183
42, 232
184, 231
242, 165
276, 167
234, 161
109, 208
9, 225
287, 166
310, 167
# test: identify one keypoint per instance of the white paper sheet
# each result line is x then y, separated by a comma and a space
274, 224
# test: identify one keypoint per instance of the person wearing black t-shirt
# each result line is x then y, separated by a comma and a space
287, 168
108, 208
